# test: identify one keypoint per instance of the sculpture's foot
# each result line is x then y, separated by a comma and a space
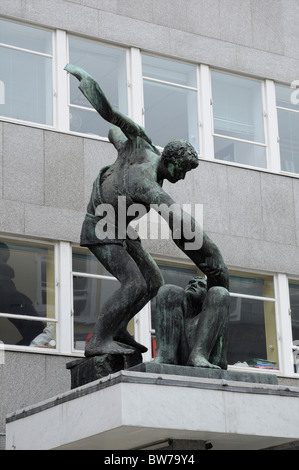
107, 347
125, 338
200, 361
162, 360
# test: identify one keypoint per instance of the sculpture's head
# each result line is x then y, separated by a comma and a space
4, 252
178, 157
196, 290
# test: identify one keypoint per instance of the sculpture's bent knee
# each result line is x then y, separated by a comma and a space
218, 296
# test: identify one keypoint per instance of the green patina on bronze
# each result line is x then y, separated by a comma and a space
138, 174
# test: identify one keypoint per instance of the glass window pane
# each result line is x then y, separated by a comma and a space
285, 97
88, 122
25, 37
288, 124
237, 107
170, 113
294, 302
26, 86
252, 333
27, 288
169, 71
259, 286
240, 152
252, 326
85, 262
107, 65
90, 296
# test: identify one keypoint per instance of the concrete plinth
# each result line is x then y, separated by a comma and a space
132, 410
84, 371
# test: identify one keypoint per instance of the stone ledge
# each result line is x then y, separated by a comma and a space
238, 376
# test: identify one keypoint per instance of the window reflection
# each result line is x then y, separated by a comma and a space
107, 65
238, 120
252, 327
26, 290
294, 304
288, 121
89, 293
26, 74
170, 100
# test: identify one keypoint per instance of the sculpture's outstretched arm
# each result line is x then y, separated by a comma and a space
98, 100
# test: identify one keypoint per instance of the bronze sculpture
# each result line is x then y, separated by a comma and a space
137, 175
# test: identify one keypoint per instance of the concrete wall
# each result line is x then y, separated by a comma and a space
255, 36
28, 378
252, 215
46, 176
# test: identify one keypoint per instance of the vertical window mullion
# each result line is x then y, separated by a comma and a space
142, 330
61, 92
272, 127
205, 113
64, 298
284, 333
135, 89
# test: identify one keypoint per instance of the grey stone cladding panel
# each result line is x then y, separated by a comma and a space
64, 171
23, 164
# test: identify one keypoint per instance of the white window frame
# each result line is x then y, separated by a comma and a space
134, 79
273, 300
64, 314
56, 350
260, 144
289, 110
196, 89
50, 56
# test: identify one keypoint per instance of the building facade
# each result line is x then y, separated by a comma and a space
221, 74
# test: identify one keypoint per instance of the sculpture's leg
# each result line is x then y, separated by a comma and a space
154, 280
169, 324
128, 300
210, 340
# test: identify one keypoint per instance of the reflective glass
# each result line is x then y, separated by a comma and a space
294, 302
252, 326
107, 65
259, 286
85, 262
288, 124
89, 294
88, 122
26, 83
25, 37
252, 333
26, 289
237, 107
287, 97
170, 113
240, 152
169, 71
